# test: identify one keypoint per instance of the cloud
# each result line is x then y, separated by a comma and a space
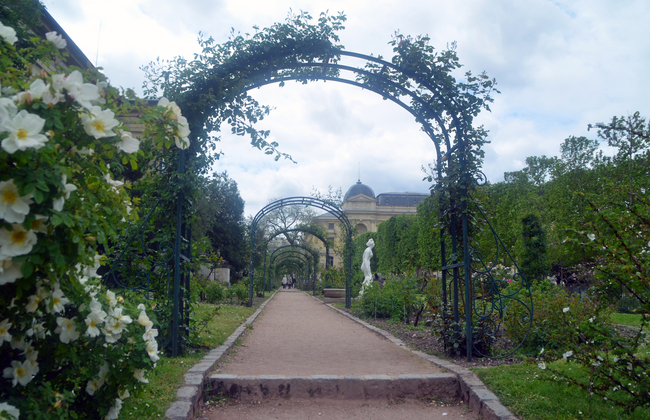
559, 65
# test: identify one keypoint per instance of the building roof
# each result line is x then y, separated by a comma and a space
358, 189
400, 199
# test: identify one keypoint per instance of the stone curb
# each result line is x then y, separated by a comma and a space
190, 395
472, 390
348, 387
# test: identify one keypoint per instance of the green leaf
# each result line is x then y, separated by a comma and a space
56, 220
38, 196
26, 269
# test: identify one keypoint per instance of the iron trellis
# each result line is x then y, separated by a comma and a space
308, 202
416, 80
311, 254
306, 229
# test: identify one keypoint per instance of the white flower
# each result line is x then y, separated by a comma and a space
35, 91
24, 132
36, 299
110, 296
591, 236
150, 334
81, 92
38, 224
99, 122
20, 373
9, 409
57, 204
139, 375
152, 350
127, 143
592, 319
94, 319
67, 329
9, 270
8, 34
141, 307
112, 182
181, 136
58, 300
116, 314
93, 385
144, 320
7, 108
4, 331
114, 411
565, 310
57, 40
172, 107
124, 394
37, 330
97, 382
541, 365
17, 241
103, 372
13, 207
567, 354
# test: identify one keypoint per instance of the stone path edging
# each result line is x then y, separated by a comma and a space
190, 395
473, 390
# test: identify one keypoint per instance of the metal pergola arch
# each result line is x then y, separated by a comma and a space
306, 229
309, 202
444, 109
311, 253
294, 262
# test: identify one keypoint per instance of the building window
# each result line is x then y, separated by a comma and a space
331, 226
331, 261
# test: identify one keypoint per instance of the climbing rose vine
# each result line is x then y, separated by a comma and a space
69, 347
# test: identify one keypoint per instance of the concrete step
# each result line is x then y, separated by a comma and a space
442, 386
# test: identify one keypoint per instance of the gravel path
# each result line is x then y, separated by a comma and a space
297, 336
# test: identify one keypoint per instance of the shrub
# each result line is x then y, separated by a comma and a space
556, 315
69, 347
628, 305
215, 292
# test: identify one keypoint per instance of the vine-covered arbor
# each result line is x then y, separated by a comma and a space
212, 90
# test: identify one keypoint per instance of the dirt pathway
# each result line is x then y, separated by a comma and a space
297, 336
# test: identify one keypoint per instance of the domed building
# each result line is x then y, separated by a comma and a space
366, 211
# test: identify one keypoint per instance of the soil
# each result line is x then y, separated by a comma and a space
425, 342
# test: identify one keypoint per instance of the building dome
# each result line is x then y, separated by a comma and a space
358, 189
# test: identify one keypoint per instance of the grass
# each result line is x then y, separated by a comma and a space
626, 319
168, 375
529, 393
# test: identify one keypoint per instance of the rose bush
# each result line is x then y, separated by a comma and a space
70, 347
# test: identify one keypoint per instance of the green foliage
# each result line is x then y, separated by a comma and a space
69, 346
220, 216
555, 318
399, 299
628, 305
534, 263
215, 292
397, 245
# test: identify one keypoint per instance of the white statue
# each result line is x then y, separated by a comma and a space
365, 265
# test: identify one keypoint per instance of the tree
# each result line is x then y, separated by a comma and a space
220, 217
331, 197
534, 263
285, 218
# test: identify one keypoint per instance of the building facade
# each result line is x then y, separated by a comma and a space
366, 211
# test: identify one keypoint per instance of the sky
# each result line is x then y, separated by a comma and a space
560, 65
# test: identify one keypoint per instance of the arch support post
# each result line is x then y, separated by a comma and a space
177, 254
